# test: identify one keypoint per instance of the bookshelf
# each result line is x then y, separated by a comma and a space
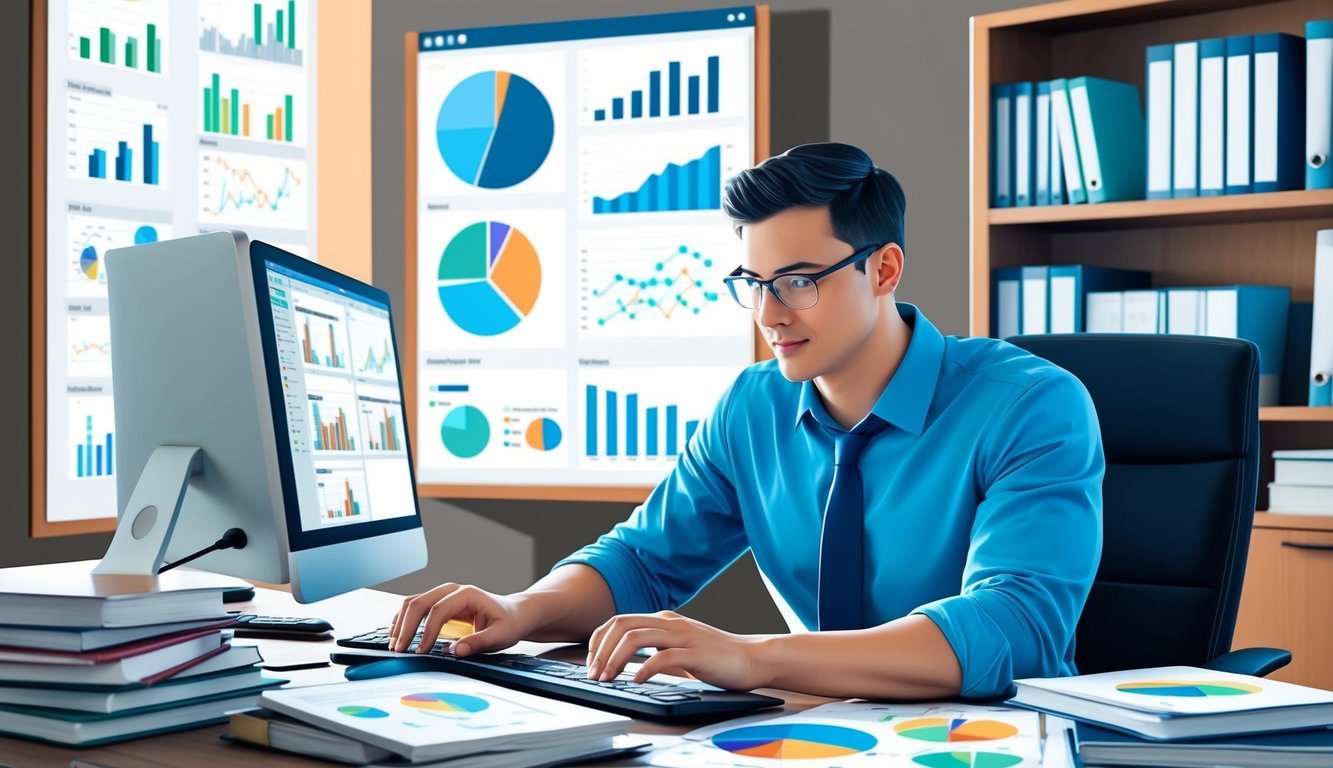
1265, 239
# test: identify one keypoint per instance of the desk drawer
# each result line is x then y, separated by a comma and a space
1288, 602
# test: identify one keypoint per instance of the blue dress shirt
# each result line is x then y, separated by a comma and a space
983, 504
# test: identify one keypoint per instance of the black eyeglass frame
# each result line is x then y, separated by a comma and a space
735, 277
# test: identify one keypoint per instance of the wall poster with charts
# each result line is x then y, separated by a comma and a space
161, 118
567, 326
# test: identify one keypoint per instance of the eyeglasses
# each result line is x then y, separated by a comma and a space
795, 290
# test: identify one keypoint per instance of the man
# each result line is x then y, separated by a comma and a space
930, 505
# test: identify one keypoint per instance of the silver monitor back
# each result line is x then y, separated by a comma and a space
188, 369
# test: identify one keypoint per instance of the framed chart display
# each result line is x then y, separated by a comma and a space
567, 326
154, 119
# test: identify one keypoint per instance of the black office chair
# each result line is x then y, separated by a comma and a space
1180, 427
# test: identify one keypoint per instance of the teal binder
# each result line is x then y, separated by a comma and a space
1108, 122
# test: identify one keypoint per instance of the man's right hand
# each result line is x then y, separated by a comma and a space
498, 621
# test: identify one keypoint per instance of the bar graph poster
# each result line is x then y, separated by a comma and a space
568, 237
162, 118
666, 82
115, 138
267, 31
634, 420
92, 443
117, 33
490, 423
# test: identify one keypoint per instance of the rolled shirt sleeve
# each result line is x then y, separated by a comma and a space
1035, 542
686, 533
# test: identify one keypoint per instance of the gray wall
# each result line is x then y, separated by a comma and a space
888, 75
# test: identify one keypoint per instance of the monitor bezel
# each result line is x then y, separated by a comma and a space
261, 254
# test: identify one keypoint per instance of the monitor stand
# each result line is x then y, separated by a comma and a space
144, 529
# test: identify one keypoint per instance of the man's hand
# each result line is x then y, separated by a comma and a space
683, 644
498, 621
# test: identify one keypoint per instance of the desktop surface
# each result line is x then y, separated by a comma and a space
354, 612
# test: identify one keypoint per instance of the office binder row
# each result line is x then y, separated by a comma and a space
1248, 113
1076, 140
1077, 299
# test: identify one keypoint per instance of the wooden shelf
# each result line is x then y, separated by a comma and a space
1222, 209
1264, 519
1295, 413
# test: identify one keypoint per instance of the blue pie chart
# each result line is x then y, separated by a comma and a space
494, 129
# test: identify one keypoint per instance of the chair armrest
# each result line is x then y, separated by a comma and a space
1259, 662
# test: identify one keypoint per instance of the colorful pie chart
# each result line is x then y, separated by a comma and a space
452, 703
795, 741
967, 760
543, 434
465, 431
490, 277
355, 710
944, 729
1188, 688
89, 263
494, 129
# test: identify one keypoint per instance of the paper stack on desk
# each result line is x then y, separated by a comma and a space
89, 659
428, 718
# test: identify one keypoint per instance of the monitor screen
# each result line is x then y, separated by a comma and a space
337, 399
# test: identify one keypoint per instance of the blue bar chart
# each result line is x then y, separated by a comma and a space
604, 407
693, 186
115, 139
702, 97
91, 439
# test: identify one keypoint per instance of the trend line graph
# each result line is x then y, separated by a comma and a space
252, 190
652, 285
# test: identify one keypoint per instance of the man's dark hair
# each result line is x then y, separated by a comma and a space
866, 203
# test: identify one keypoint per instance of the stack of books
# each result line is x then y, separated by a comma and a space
1188, 716
429, 718
1302, 482
90, 659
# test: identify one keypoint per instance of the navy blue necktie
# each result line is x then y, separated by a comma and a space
841, 547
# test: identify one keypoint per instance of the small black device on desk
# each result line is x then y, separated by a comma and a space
282, 627
548, 677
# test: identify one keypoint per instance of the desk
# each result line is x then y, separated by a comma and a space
350, 614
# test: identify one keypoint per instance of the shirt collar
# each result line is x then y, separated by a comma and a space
906, 400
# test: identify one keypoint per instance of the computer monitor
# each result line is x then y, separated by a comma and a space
257, 390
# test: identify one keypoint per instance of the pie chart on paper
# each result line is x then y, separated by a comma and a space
494, 129
944, 729
490, 278
968, 760
795, 741
445, 703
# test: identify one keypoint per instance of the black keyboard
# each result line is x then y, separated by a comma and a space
548, 677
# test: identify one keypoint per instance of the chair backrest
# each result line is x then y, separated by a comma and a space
1180, 427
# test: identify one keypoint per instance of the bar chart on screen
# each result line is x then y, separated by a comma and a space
322, 326
115, 33
342, 493
381, 414
252, 190
115, 138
